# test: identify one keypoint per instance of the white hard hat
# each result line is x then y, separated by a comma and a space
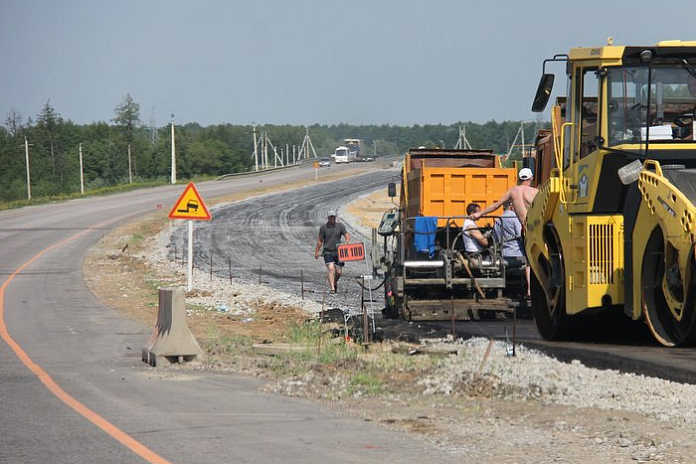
525, 174
331, 213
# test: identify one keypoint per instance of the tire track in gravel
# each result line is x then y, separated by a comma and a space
277, 232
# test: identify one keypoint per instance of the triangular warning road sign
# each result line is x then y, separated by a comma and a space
190, 206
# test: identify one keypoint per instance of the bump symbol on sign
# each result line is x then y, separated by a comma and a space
190, 205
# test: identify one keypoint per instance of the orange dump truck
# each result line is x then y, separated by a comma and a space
428, 273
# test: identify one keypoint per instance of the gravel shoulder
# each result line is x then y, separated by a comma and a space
478, 407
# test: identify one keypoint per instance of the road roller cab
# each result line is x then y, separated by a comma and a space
613, 224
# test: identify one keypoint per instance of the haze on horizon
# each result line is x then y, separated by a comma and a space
303, 62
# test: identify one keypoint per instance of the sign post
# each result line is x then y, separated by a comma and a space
190, 206
189, 260
316, 170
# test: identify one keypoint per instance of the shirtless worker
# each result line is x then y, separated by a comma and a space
521, 196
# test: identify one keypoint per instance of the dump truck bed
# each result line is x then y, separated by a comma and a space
443, 182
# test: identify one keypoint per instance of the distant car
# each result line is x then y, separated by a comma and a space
324, 163
368, 159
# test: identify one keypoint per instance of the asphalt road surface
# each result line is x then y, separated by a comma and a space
74, 390
272, 238
275, 236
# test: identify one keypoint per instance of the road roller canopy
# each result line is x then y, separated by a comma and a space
628, 98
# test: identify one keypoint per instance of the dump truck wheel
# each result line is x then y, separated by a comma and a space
670, 326
393, 311
392, 303
548, 291
404, 311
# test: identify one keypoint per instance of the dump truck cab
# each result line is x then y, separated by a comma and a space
613, 223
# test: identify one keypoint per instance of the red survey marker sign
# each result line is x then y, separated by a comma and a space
351, 252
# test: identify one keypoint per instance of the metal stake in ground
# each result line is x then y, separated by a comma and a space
454, 331
514, 329
485, 355
321, 331
366, 325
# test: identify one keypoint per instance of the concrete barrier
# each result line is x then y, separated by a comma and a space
171, 341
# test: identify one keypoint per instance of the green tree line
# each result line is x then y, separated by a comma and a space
54, 147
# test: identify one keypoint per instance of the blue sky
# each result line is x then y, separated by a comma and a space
302, 62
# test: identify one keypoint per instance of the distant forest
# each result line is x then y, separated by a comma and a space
200, 151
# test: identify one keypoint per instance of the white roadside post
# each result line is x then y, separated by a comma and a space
190, 206
82, 174
130, 169
26, 154
173, 174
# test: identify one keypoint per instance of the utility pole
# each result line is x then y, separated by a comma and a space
462, 142
522, 131
374, 143
265, 150
26, 154
173, 155
276, 158
256, 151
306, 147
153, 131
130, 169
82, 173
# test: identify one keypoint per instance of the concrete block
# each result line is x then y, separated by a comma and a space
172, 340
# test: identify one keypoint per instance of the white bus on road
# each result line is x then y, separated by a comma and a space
342, 155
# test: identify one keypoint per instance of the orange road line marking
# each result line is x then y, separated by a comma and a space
121, 436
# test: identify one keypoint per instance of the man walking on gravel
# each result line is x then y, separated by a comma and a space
329, 239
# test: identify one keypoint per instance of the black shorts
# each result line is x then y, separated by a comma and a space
514, 261
332, 258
